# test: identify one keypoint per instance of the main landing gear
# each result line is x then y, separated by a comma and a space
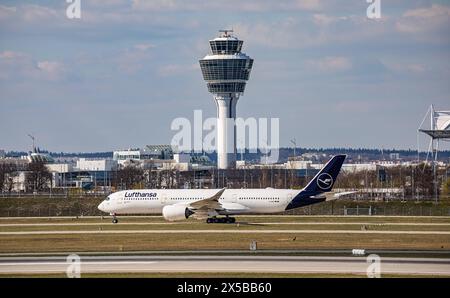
221, 220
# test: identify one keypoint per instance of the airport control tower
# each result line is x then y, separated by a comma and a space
226, 71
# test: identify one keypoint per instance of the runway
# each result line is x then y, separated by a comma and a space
210, 263
243, 223
224, 231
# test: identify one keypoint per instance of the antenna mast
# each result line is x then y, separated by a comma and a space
33, 138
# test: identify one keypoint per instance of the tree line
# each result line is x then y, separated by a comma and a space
413, 179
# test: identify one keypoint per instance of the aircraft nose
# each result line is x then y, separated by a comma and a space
101, 206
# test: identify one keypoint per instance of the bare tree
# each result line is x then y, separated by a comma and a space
130, 177
3, 173
7, 173
10, 181
37, 176
446, 187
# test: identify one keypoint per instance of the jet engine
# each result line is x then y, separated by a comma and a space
174, 212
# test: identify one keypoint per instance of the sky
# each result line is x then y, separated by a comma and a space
117, 77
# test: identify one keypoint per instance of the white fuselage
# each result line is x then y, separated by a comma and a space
234, 201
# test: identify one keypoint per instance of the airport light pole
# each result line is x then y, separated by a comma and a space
294, 142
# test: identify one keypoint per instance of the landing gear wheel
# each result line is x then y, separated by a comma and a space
115, 220
230, 219
221, 220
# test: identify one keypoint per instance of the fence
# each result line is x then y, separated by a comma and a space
374, 208
358, 210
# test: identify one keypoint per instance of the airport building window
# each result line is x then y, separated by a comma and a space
228, 47
226, 69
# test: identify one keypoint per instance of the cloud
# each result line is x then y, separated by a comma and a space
321, 19
107, 3
144, 46
230, 5
284, 33
51, 69
50, 17
36, 13
132, 60
177, 69
406, 67
331, 64
21, 66
423, 21
434, 11
310, 4
313, 30
7, 12
10, 55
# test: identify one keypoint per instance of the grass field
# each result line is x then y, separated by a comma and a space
125, 241
247, 218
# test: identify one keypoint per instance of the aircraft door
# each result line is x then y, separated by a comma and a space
120, 200
234, 198
288, 198
163, 198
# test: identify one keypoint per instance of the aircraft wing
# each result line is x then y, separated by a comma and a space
211, 203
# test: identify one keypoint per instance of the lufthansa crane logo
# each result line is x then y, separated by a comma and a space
324, 181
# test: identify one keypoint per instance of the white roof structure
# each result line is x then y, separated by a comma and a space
442, 120
440, 124
439, 130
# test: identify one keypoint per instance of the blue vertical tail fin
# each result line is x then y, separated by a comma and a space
322, 182
325, 179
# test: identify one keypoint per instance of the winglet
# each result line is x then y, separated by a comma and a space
216, 197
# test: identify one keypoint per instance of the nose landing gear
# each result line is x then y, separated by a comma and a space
114, 219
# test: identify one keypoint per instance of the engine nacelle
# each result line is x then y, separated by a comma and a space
174, 212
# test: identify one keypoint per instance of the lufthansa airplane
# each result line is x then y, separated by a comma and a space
180, 204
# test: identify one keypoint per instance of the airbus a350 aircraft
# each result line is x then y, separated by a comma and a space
180, 204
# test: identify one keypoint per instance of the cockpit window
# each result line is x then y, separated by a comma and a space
107, 199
